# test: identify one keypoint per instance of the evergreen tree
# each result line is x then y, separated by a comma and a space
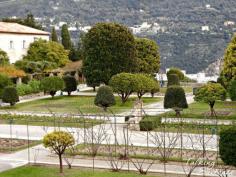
148, 56
65, 37
175, 98
229, 67
54, 35
109, 49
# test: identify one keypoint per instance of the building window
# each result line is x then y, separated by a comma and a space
23, 45
36, 38
11, 45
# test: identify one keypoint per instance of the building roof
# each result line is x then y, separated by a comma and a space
15, 28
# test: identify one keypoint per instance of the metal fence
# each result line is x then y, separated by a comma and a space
166, 145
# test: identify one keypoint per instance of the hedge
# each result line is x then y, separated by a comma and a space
149, 123
227, 146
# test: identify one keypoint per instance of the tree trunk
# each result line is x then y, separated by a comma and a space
94, 89
69, 93
105, 108
123, 98
139, 96
152, 94
177, 113
60, 161
212, 108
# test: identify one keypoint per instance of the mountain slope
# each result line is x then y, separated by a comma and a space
182, 42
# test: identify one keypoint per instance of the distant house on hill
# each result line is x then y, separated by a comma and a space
15, 39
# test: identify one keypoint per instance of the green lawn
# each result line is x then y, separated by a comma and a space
225, 110
187, 89
48, 121
73, 104
42, 171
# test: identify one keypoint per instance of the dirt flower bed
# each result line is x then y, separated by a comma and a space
9, 145
142, 152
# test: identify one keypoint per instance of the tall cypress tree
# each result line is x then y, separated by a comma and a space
65, 37
229, 67
54, 35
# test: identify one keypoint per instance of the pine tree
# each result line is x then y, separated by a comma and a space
54, 35
65, 37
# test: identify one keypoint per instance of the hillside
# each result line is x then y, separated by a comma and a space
178, 24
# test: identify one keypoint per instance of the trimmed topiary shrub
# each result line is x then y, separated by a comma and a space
149, 123
175, 98
227, 146
173, 79
104, 97
232, 90
4, 82
10, 95
52, 84
176, 71
70, 84
146, 125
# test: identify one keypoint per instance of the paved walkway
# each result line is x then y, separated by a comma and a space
40, 155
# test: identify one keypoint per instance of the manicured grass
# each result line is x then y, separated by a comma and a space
74, 104
199, 110
191, 128
48, 121
43, 171
187, 89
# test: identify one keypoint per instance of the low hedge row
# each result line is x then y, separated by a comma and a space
149, 123
30, 88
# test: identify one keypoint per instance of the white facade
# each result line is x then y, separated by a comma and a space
205, 28
16, 45
15, 39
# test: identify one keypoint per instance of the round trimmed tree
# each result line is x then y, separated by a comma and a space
210, 93
155, 88
70, 84
124, 84
175, 99
58, 141
52, 84
104, 97
173, 79
227, 146
144, 84
232, 90
10, 95
109, 49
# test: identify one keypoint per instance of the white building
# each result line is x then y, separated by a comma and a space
205, 28
15, 39
229, 23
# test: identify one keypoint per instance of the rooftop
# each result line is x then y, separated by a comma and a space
15, 28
